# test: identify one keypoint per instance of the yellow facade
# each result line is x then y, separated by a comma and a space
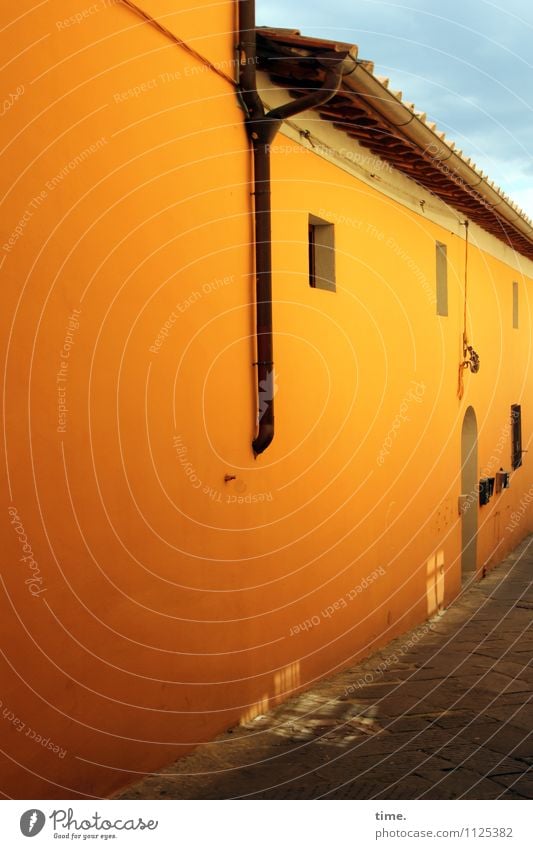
158, 602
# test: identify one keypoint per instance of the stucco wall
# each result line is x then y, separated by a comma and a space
157, 603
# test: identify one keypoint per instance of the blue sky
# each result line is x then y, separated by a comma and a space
466, 63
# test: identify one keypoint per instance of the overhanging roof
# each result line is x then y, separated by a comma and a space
366, 109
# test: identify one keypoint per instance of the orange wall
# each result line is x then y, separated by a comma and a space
167, 602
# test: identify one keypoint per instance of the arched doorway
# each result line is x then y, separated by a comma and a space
469, 494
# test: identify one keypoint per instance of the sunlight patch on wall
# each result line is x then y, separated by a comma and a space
435, 583
286, 681
255, 710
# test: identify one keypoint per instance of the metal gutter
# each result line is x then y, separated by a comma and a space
435, 148
262, 128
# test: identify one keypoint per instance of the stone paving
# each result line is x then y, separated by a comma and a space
444, 712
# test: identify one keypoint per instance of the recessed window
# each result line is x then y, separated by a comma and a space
321, 254
442, 278
516, 436
515, 304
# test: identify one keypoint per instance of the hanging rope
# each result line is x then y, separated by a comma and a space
470, 357
466, 281
177, 40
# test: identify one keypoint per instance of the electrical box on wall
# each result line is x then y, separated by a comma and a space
503, 480
486, 490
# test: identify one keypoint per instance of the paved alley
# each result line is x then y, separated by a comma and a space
444, 712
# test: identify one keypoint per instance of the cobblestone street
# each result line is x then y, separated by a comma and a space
448, 717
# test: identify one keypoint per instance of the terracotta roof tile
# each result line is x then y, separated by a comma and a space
365, 109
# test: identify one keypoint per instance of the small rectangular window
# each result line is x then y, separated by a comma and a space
516, 445
321, 254
515, 304
442, 279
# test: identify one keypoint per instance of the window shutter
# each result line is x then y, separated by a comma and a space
442, 279
516, 422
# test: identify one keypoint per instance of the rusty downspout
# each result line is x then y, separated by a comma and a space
262, 128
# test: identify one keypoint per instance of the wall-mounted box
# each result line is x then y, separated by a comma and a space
503, 480
486, 489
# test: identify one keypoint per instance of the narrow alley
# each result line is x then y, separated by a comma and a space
443, 712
